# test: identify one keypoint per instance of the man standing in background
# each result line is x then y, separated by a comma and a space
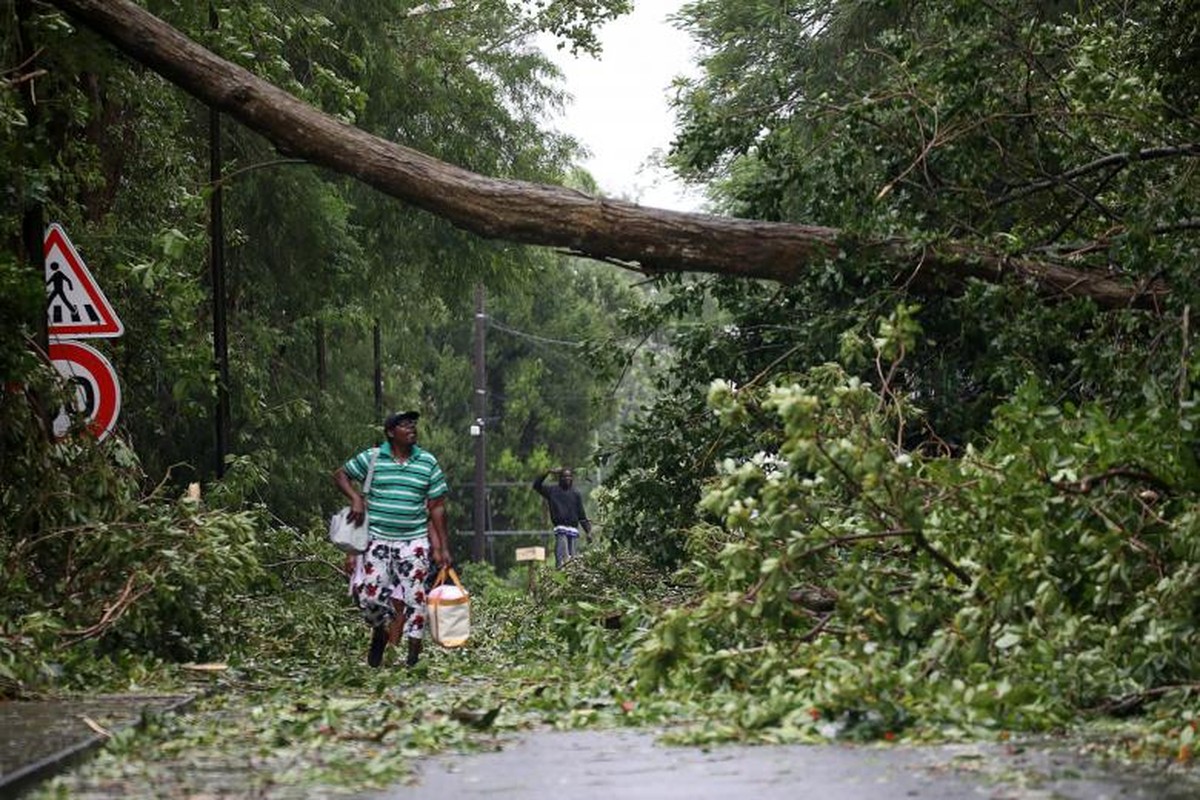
566, 512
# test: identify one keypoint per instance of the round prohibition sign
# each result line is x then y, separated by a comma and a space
97, 393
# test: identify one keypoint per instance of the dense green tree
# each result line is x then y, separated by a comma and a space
316, 266
312, 259
983, 518
1037, 128
523, 211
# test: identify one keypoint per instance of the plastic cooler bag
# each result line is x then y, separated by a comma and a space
449, 610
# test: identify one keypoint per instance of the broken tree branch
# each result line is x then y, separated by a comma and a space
656, 239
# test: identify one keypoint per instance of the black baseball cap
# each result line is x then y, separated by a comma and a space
397, 417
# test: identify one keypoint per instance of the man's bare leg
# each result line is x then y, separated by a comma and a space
397, 625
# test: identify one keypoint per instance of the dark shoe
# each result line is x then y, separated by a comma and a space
379, 640
414, 652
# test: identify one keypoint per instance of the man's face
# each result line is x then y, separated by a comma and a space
405, 432
566, 478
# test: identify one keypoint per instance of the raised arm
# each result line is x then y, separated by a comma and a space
540, 481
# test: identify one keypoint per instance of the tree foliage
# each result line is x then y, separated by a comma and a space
850, 581
531, 213
316, 265
1034, 127
972, 513
96, 567
312, 259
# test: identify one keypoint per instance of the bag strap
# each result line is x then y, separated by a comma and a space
370, 473
441, 578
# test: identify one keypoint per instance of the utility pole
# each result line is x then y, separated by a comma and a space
322, 362
33, 217
377, 336
216, 237
477, 430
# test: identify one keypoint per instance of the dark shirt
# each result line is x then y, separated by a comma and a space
566, 505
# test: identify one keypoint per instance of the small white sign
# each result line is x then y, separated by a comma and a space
531, 554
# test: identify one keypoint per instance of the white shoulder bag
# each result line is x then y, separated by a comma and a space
345, 535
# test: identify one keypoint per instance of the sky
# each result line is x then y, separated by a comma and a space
620, 109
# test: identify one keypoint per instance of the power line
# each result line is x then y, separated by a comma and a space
522, 334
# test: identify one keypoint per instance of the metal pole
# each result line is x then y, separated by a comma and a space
378, 337
33, 217
216, 238
319, 335
478, 430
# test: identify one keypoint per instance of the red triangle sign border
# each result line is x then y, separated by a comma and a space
109, 324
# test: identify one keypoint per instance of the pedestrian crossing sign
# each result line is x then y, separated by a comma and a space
75, 306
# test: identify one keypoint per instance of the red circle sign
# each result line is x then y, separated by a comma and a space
97, 393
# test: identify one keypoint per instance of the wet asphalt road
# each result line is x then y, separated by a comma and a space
39, 739
631, 765
622, 764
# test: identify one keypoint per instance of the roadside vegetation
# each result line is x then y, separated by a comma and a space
866, 506
886, 623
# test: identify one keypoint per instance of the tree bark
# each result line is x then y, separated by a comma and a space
649, 239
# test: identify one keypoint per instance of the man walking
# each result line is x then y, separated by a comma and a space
406, 517
566, 512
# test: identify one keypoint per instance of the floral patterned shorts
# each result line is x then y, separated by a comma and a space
393, 571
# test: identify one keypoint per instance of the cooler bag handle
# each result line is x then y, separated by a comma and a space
441, 578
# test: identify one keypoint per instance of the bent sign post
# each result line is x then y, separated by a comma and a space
76, 308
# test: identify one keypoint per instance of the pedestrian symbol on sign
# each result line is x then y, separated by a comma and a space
58, 299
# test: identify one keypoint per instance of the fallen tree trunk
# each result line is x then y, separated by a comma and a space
649, 239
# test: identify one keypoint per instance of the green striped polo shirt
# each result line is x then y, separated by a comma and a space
396, 504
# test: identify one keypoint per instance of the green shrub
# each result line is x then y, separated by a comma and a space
1051, 573
95, 566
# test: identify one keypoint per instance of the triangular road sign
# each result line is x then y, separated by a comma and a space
75, 306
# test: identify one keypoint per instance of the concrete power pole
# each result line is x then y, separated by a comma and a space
477, 430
